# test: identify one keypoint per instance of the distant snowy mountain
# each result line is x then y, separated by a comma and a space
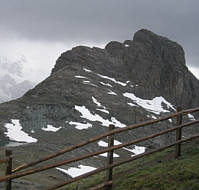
12, 82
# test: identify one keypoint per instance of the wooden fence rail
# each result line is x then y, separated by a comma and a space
3, 161
50, 166
8, 168
110, 157
178, 133
16, 173
91, 140
119, 163
116, 131
8, 184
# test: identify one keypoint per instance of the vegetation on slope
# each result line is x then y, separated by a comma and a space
159, 171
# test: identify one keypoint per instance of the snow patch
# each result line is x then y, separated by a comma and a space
100, 105
154, 117
51, 128
117, 123
15, 133
87, 70
191, 117
80, 126
80, 77
86, 81
102, 144
86, 114
111, 92
136, 149
96, 102
92, 117
106, 84
103, 110
154, 105
75, 172
131, 104
89, 83
112, 79
170, 120
106, 155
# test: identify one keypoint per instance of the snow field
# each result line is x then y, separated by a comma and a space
51, 128
77, 171
154, 105
136, 149
80, 126
15, 132
86, 114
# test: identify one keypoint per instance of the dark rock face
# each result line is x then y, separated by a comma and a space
153, 66
158, 65
97, 81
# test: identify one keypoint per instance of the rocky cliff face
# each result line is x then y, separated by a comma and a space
89, 88
158, 65
153, 62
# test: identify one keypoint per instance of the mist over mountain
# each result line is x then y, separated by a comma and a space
12, 81
89, 88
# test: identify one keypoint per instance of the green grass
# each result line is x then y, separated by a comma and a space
159, 171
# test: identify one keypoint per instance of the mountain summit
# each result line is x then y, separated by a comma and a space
125, 81
89, 88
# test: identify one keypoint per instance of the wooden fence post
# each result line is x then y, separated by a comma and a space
8, 183
135, 117
110, 158
178, 133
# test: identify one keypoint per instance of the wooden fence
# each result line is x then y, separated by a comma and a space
17, 172
8, 169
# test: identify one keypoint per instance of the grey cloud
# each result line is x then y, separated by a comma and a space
101, 20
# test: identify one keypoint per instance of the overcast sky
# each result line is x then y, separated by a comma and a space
38, 31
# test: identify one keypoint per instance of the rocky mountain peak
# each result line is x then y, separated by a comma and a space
161, 46
153, 62
89, 88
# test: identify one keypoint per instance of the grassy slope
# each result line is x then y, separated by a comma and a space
159, 171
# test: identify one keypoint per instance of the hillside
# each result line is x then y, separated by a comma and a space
159, 171
89, 88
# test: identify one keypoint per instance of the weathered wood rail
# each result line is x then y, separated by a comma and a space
17, 172
8, 169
